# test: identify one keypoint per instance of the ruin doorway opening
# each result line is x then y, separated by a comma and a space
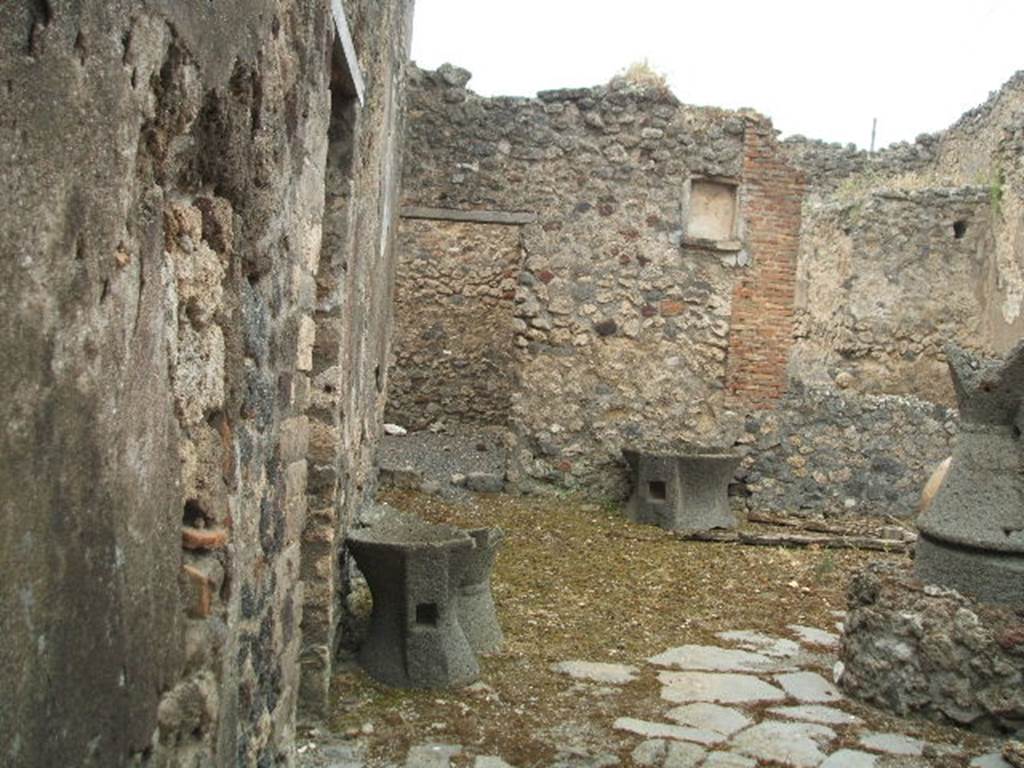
455, 322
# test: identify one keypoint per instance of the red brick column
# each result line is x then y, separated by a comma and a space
762, 306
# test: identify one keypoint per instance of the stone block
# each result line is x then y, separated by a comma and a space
294, 440
414, 570
687, 492
304, 349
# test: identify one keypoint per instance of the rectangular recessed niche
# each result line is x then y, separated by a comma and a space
711, 213
656, 490
426, 613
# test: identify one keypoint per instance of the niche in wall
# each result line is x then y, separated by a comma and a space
710, 209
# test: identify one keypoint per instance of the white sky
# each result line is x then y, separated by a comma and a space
818, 67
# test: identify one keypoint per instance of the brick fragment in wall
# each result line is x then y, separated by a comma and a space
762, 312
203, 538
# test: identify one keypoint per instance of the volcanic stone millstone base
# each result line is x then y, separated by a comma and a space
688, 492
477, 614
972, 535
414, 570
991, 576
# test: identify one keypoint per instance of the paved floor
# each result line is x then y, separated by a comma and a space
753, 700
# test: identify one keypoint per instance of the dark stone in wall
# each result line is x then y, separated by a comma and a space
828, 452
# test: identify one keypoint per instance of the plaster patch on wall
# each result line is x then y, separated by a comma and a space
1010, 278
712, 210
1009, 272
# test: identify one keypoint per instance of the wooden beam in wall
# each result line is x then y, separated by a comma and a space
480, 217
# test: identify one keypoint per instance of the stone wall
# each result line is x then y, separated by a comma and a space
885, 281
352, 337
910, 247
643, 316
824, 451
830, 167
456, 324
623, 304
164, 169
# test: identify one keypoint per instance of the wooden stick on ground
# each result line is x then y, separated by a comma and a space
799, 540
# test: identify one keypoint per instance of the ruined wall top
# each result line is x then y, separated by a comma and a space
643, 88
960, 155
470, 147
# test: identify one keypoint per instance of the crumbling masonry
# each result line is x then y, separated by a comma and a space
199, 252
605, 267
196, 287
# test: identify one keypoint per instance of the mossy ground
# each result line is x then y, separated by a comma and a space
575, 580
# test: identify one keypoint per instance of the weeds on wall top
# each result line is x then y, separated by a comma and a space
642, 75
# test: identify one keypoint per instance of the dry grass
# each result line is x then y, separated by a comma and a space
575, 581
642, 75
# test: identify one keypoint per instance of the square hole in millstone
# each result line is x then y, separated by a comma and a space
656, 490
426, 613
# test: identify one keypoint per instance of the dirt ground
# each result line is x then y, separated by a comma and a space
575, 580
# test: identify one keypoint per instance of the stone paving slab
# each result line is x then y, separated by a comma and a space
721, 687
809, 687
667, 731
850, 758
657, 753
650, 752
991, 760
792, 744
431, 755
903, 761
727, 760
709, 658
710, 717
815, 713
814, 636
490, 761
892, 743
778, 647
683, 755
597, 672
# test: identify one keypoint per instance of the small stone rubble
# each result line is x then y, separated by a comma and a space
924, 651
733, 708
444, 462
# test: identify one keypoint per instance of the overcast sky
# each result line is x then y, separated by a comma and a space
818, 67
